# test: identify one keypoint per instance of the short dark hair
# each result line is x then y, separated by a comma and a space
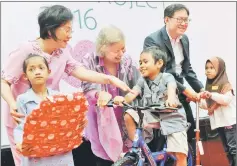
171, 9
51, 18
25, 63
157, 54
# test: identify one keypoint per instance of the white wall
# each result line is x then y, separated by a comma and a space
19, 23
212, 31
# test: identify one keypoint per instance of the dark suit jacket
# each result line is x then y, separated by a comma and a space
161, 39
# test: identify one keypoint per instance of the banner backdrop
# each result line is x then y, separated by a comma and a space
212, 31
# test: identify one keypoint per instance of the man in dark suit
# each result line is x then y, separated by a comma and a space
175, 43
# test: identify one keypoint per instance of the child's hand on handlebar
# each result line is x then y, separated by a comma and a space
118, 100
103, 98
172, 101
191, 95
205, 95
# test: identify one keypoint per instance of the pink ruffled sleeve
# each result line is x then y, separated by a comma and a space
13, 67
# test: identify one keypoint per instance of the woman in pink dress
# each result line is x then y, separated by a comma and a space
105, 125
55, 24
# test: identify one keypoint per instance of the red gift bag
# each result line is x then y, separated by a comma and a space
56, 126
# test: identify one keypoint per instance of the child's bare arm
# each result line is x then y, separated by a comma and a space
172, 100
171, 89
118, 100
131, 96
137, 90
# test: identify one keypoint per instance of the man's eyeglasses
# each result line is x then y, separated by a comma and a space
181, 20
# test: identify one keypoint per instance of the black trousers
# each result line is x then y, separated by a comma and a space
83, 156
228, 138
102, 162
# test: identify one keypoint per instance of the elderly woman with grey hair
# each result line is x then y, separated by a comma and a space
105, 125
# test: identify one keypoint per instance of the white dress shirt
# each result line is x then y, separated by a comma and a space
178, 52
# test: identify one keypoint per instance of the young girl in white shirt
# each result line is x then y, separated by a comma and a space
220, 101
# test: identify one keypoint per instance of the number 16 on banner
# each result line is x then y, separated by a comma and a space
88, 21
